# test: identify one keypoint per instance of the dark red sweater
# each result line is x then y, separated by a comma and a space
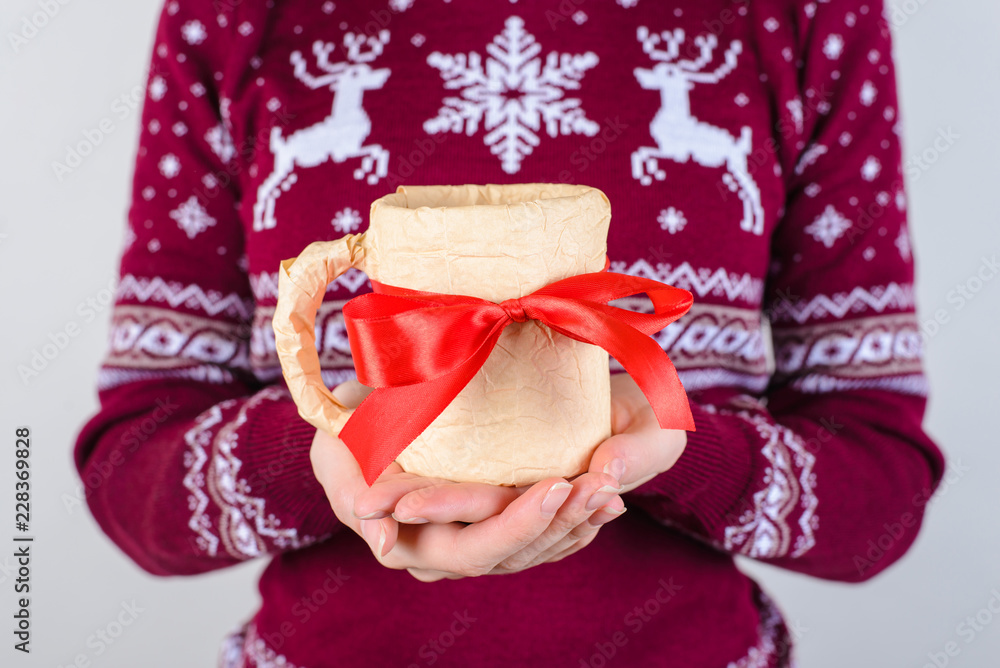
751, 154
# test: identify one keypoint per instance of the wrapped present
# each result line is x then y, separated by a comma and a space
486, 336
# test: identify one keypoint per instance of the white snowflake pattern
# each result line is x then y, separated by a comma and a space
193, 32
873, 56
850, 19
868, 94
346, 221
871, 169
328, 7
845, 138
833, 46
245, 28
221, 142
812, 189
197, 89
192, 217
671, 220
627, 4
771, 24
903, 244
828, 226
154, 126
418, 40
900, 200
512, 94
273, 104
794, 107
170, 166
179, 129
130, 237
580, 17
741, 100
157, 88
400, 5
868, 254
148, 193
810, 9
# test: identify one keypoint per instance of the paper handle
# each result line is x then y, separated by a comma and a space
302, 283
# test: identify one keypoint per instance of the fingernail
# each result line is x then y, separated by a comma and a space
375, 514
410, 520
615, 468
555, 497
601, 497
599, 518
366, 532
381, 538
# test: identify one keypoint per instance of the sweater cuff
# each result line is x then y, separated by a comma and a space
709, 479
282, 470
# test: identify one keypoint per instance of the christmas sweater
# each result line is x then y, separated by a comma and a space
751, 154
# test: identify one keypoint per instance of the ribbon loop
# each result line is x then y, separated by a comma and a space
439, 342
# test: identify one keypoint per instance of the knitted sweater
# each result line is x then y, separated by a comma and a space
751, 154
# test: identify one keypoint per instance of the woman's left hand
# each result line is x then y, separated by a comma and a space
638, 449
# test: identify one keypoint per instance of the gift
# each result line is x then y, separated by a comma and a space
486, 336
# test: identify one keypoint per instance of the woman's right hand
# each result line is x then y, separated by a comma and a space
509, 529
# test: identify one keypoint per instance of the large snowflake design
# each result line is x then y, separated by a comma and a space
511, 92
828, 226
192, 217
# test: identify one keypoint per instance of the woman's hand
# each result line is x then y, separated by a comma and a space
638, 449
511, 528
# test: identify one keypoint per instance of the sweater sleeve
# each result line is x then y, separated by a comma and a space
192, 463
827, 471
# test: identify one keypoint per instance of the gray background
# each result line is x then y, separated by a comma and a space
65, 80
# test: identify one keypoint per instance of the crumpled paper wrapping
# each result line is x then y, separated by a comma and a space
540, 404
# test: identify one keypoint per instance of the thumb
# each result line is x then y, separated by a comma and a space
351, 393
638, 454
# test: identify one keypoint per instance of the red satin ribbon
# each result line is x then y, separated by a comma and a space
420, 349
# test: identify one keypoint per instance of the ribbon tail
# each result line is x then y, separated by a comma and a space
639, 354
391, 418
387, 421
662, 387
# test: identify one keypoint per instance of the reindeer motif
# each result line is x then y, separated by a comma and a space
679, 136
340, 135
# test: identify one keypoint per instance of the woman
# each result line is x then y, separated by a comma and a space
751, 155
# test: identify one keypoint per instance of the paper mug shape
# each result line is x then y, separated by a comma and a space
540, 404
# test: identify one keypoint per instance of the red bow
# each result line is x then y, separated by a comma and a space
445, 339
